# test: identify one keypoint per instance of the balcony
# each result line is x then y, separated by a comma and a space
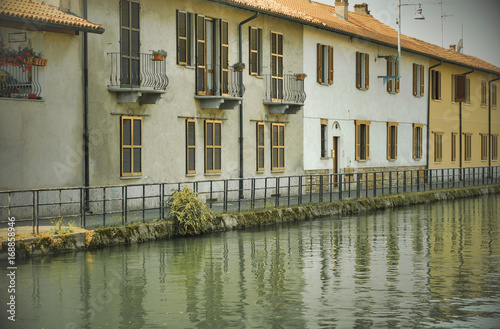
137, 77
19, 82
284, 94
219, 88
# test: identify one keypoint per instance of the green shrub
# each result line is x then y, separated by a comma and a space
191, 216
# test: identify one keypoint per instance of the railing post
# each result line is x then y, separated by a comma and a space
289, 183
162, 201
390, 182
37, 220
225, 195
375, 184
340, 185
430, 179
252, 194
104, 206
125, 205
82, 207
358, 185
404, 181
320, 188
418, 180
299, 199
310, 188
211, 194
277, 198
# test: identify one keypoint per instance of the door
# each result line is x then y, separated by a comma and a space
130, 44
335, 152
277, 67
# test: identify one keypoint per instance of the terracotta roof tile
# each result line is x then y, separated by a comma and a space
41, 13
361, 25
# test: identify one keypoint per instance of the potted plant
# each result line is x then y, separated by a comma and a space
301, 76
159, 55
25, 57
239, 66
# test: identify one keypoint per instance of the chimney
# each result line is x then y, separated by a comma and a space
362, 9
342, 8
452, 47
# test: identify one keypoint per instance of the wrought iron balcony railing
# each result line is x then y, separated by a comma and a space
285, 89
217, 80
141, 72
19, 82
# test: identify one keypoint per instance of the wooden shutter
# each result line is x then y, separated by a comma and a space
357, 139
224, 57
200, 55
414, 80
414, 132
330, 65
388, 143
182, 39
397, 74
433, 74
358, 71
438, 84
260, 146
422, 90
460, 88
131, 146
254, 36
367, 141
367, 71
320, 63
190, 146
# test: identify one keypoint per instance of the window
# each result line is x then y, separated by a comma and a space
362, 71
484, 98
362, 140
190, 146
438, 147
131, 146
417, 141
453, 147
278, 146
392, 140
494, 96
468, 147
20, 81
213, 146
277, 66
212, 61
260, 146
130, 43
436, 85
393, 70
184, 38
324, 130
418, 80
494, 147
255, 40
460, 89
484, 147
325, 64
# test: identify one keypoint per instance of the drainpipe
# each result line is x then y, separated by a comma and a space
240, 59
460, 132
86, 110
429, 108
489, 120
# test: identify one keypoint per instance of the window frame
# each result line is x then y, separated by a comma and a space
484, 93
190, 146
362, 145
133, 78
277, 70
494, 147
436, 85
362, 71
467, 147
132, 147
454, 146
279, 148
324, 138
493, 96
393, 70
257, 70
418, 130
418, 80
438, 146
324, 65
392, 140
484, 147
213, 147
260, 146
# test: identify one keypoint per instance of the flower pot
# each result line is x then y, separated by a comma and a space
301, 77
158, 57
39, 62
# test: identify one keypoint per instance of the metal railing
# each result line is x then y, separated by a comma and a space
144, 72
118, 205
217, 80
19, 82
287, 89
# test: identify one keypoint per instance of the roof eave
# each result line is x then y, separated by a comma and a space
36, 25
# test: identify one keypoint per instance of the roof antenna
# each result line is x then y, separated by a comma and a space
460, 46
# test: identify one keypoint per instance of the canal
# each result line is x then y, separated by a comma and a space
427, 266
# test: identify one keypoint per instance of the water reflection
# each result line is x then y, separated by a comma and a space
430, 265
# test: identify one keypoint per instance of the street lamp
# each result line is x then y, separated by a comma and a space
417, 16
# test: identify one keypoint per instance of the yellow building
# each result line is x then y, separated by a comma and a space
464, 120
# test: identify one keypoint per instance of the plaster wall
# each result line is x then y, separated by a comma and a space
41, 140
343, 103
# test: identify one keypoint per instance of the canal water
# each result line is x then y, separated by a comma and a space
426, 266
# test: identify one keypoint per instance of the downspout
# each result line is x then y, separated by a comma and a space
429, 109
489, 120
86, 110
240, 76
460, 132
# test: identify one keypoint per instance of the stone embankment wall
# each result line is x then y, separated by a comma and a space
109, 236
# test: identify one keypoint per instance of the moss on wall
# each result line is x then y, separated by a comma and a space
162, 229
